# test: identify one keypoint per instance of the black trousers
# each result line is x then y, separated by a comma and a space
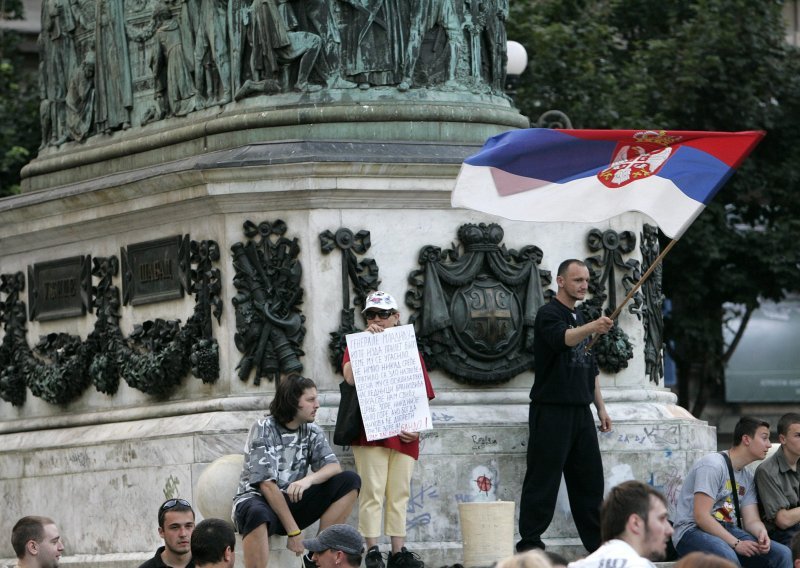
563, 439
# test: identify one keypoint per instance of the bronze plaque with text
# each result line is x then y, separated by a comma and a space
155, 271
59, 288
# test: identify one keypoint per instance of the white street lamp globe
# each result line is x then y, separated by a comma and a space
517, 58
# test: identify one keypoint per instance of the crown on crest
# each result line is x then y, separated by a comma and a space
659, 137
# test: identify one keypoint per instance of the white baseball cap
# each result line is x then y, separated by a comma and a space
378, 300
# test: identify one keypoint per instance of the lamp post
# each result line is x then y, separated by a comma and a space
516, 63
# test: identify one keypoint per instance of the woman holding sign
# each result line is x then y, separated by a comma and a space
385, 465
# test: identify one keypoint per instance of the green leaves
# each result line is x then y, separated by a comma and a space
19, 111
687, 65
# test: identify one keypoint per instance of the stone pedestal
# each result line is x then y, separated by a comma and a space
102, 464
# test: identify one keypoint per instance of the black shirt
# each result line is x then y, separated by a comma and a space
564, 374
156, 562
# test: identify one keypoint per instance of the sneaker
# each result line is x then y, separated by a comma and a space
405, 559
374, 558
307, 562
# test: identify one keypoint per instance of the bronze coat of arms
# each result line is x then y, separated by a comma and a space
475, 305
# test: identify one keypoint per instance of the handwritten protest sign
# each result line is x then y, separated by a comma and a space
389, 382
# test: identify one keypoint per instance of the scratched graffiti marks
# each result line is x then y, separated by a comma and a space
483, 441
441, 416
669, 480
420, 501
172, 487
429, 441
651, 436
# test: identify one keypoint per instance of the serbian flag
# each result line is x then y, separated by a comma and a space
586, 176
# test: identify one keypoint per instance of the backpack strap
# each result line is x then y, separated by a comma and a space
734, 489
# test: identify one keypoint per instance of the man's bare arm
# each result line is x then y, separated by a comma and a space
600, 405
277, 502
574, 335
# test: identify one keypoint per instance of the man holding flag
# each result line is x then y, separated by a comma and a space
540, 175
562, 431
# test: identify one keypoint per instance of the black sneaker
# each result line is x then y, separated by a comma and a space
405, 559
307, 562
374, 558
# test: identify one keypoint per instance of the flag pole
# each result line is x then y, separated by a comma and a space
638, 285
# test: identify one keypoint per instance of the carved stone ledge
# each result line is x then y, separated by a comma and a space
432, 122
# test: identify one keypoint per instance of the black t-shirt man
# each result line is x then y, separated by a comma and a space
562, 434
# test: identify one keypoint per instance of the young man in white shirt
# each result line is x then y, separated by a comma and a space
634, 528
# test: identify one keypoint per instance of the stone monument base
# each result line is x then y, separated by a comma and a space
103, 482
100, 465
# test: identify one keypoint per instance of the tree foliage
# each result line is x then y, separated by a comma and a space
687, 65
19, 104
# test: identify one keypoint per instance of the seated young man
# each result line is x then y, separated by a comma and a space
290, 478
37, 543
175, 526
214, 544
706, 519
634, 528
778, 483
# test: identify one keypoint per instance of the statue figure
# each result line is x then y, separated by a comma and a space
427, 14
273, 43
188, 21
173, 85
487, 30
212, 72
58, 51
45, 110
319, 19
374, 38
305, 46
80, 99
498, 45
82, 13
263, 33
113, 85
238, 17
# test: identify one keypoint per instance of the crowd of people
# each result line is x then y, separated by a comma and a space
635, 529
726, 516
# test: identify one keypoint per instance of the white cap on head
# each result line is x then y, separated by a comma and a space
378, 300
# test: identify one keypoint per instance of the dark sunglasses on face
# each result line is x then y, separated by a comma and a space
383, 314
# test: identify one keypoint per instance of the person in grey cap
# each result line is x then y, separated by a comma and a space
336, 545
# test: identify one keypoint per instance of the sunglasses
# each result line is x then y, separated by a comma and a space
173, 503
383, 314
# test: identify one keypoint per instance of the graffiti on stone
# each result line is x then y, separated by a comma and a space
668, 480
441, 417
482, 483
483, 441
657, 435
418, 503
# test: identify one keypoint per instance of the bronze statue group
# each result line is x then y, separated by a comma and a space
107, 65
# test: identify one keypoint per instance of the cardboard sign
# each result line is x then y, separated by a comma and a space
389, 382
